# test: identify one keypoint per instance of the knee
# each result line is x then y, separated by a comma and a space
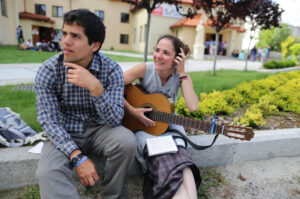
128, 143
42, 173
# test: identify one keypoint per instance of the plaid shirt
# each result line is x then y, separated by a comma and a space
63, 108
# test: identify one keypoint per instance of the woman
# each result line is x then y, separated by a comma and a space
166, 75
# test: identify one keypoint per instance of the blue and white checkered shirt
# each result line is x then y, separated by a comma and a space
63, 108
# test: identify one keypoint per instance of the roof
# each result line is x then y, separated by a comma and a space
188, 22
36, 17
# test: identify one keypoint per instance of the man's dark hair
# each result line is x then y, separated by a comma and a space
93, 27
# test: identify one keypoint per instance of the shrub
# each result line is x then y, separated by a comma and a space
233, 98
181, 109
287, 97
279, 64
215, 103
253, 117
267, 106
266, 97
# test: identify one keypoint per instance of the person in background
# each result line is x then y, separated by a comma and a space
29, 44
19, 34
225, 45
267, 51
165, 75
44, 46
253, 54
55, 42
80, 106
259, 53
235, 53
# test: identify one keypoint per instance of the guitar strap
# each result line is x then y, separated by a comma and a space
187, 140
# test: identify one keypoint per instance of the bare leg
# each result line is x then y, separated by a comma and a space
188, 188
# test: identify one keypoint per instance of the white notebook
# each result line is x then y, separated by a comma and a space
161, 145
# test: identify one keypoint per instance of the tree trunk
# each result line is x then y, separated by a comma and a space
147, 35
216, 53
247, 53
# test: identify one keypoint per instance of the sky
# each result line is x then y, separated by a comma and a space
291, 14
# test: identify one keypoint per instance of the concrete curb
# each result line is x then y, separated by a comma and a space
18, 166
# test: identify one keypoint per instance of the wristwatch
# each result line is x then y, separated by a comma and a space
76, 159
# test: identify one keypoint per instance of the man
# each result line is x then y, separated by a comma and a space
79, 96
20, 37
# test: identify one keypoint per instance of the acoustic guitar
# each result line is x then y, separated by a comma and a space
161, 113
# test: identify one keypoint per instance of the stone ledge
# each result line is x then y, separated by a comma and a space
18, 166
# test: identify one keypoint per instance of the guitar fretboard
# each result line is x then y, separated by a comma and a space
184, 121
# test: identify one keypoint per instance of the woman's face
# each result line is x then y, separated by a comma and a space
164, 55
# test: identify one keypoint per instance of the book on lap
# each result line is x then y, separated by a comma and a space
161, 145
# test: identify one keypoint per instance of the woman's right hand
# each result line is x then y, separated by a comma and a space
139, 113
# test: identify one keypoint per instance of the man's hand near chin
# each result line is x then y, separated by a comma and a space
81, 77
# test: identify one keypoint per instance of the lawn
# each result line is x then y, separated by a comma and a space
10, 54
23, 102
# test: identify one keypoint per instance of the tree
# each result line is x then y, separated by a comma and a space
285, 47
223, 14
150, 5
274, 37
263, 14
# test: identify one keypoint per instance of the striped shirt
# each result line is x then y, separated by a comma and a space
63, 108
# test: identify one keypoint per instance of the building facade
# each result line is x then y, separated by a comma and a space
125, 26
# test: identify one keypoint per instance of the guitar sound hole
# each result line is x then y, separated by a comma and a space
149, 114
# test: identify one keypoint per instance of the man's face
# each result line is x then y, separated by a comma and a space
75, 44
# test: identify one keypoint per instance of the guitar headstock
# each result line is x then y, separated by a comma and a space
238, 132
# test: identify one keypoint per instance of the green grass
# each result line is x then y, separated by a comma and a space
21, 102
10, 54
210, 178
118, 58
223, 80
32, 192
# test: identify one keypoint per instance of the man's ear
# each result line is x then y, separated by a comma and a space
95, 46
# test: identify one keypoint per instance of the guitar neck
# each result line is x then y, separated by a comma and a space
184, 121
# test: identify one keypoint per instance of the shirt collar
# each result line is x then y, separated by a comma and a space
96, 63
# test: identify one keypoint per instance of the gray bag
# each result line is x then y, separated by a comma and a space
13, 130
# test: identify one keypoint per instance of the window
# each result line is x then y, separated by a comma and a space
141, 33
124, 18
57, 11
134, 35
40, 9
3, 8
145, 31
100, 14
124, 39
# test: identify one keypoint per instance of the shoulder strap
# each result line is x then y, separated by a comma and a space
195, 146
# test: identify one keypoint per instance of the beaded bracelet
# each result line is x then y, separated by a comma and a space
183, 77
81, 161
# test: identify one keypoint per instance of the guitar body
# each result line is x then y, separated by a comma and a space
138, 99
161, 114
